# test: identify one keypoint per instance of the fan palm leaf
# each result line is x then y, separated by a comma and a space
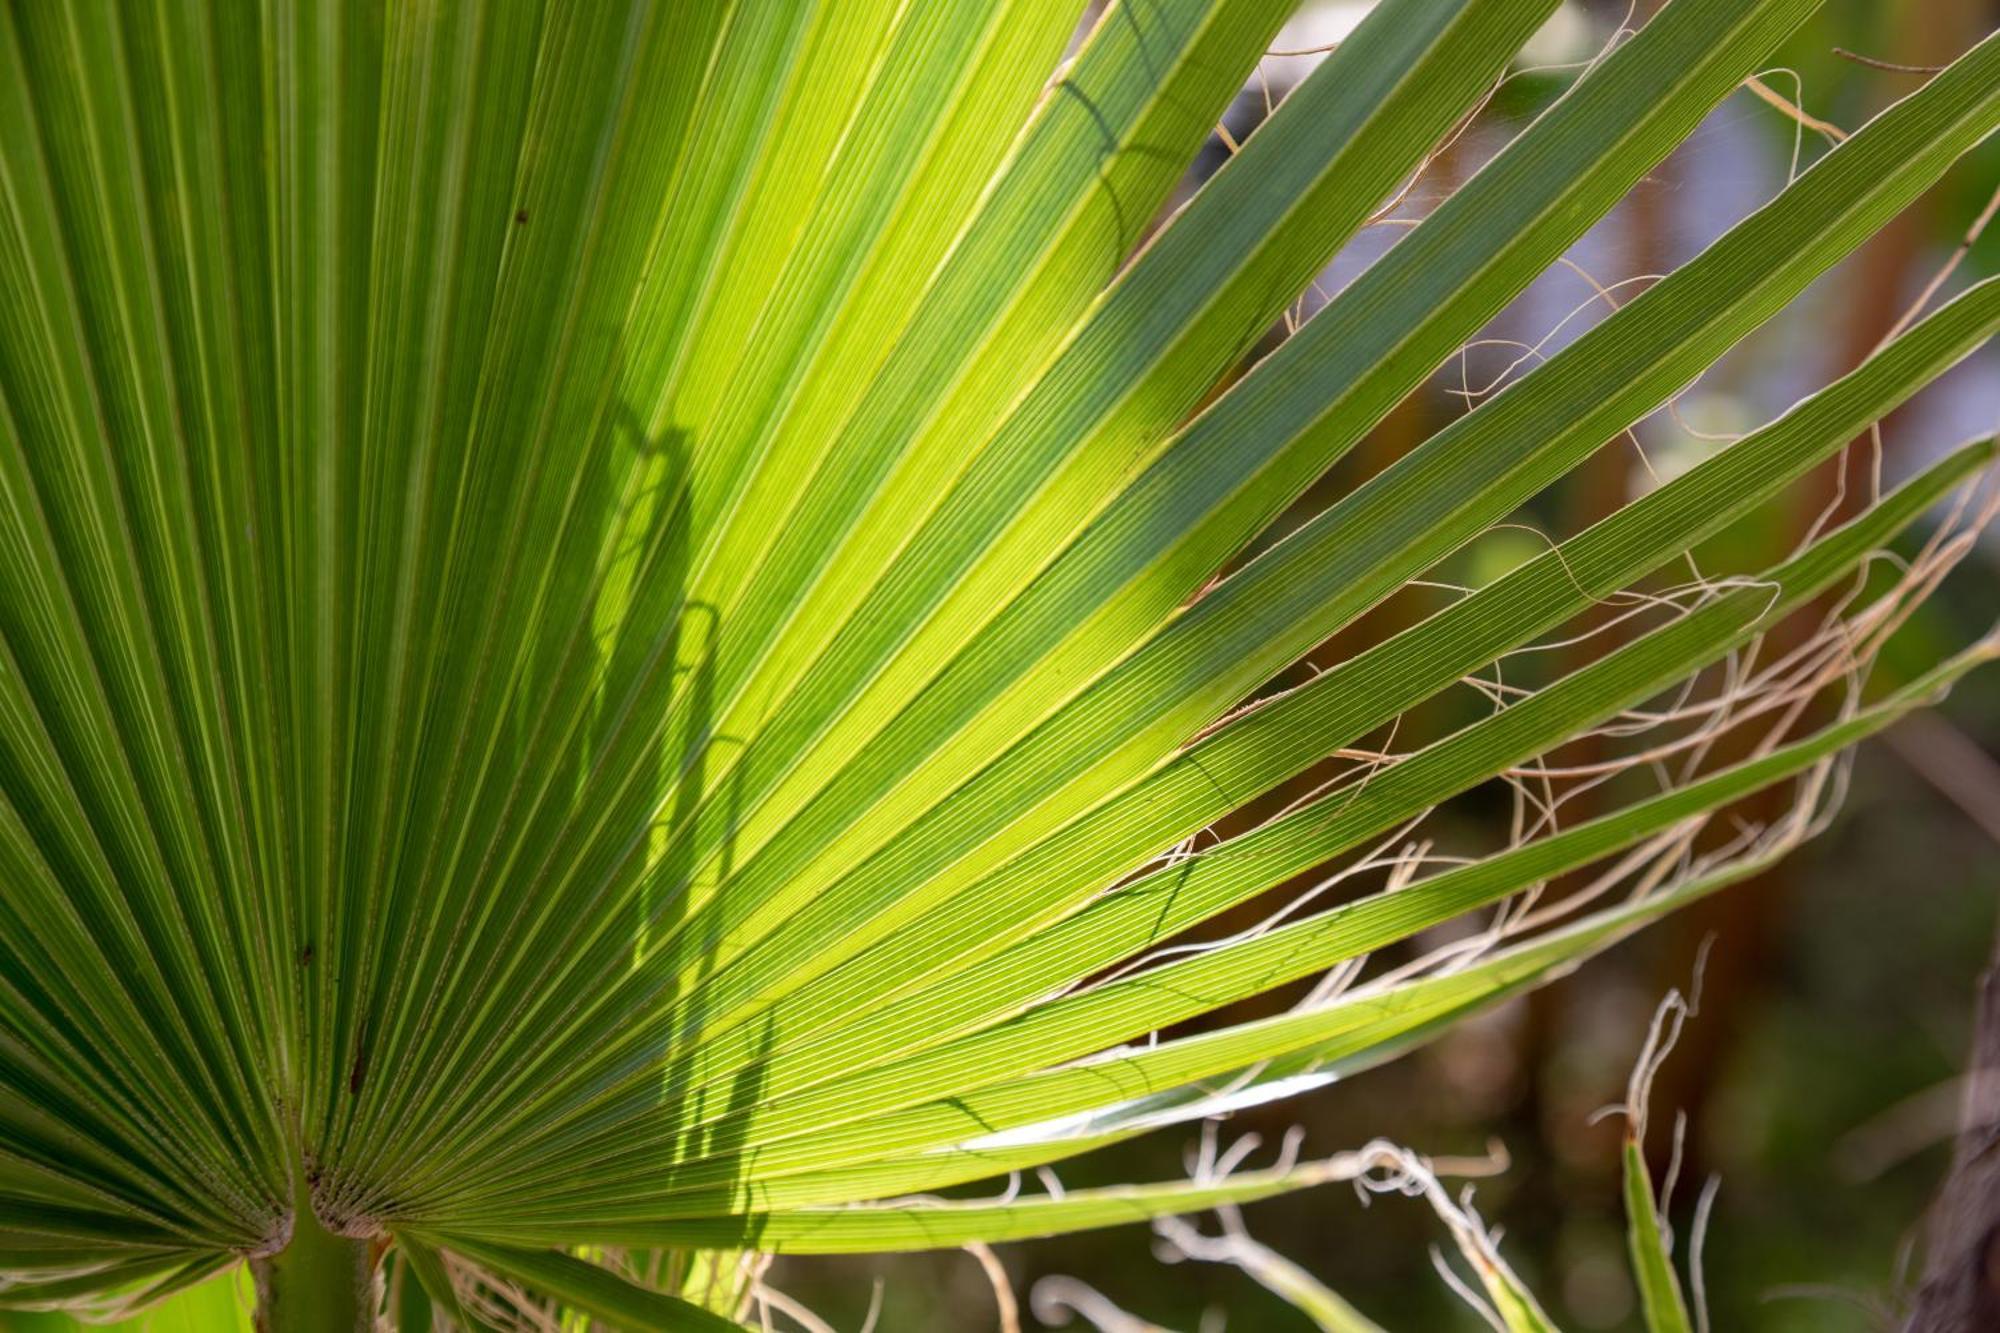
622, 623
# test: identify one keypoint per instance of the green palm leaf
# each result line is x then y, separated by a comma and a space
615, 618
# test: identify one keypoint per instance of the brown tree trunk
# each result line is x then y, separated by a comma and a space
1961, 1288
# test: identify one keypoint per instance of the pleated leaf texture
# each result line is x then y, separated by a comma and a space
647, 629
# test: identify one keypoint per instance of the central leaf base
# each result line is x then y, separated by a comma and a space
319, 1283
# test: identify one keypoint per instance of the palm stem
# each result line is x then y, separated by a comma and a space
319, 1283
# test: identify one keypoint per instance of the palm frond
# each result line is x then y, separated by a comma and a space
630, 624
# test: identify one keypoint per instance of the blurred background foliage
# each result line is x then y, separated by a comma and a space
1819, 1080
